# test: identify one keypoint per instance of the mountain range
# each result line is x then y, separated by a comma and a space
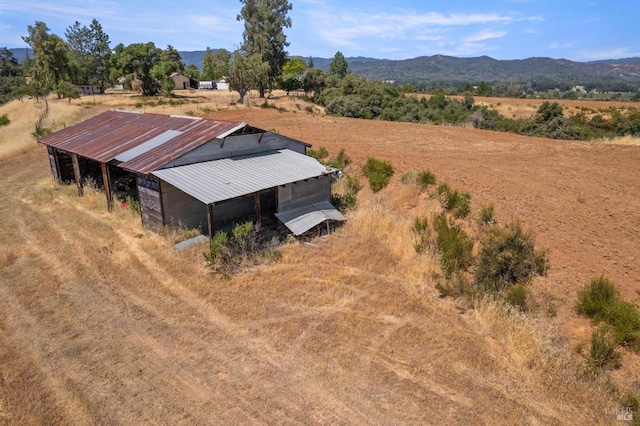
540, 73
620, 75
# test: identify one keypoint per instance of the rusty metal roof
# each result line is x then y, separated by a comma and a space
112, 133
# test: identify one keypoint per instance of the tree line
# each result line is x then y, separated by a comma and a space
84, 56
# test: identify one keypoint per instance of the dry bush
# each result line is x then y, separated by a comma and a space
624, 140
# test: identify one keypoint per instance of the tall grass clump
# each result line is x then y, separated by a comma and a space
340, 161
319, 154
604, 353
454, 246
408, 177
600, 300
4, 120
344, 193
422, 233
487, 215
378, 172
425, 178
453, 201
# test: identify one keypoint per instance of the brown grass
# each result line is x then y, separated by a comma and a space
104, 322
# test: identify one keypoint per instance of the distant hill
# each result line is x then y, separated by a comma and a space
540, 73
473, 70
20, 53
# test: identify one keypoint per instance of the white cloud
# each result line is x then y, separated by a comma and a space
484, 35
555, 45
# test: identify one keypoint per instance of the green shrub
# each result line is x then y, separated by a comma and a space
487, 215
508, 256
516, 296
600, 300
133, 204
407, 177
4, 120
596, 298
630, 402
217, 246
346, 199
340, 161
453, 201
352, 184
454, 245
344, 202
40, 132
319, 154
244, 243
378, 172
603, 348
425, 178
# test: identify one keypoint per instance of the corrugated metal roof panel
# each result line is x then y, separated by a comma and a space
228, 178
304, 218
107, 135
148, 145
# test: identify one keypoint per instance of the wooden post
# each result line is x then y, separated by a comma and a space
256, 200
76, 174
210, 220
106, 180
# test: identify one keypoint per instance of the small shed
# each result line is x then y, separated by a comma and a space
180, 81
222, 84
195, 172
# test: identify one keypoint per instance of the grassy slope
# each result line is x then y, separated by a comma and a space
103, 322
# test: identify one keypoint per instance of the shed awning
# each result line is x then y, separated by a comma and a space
302, 219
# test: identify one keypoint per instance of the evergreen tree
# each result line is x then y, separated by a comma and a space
51, 65
215, 65
338, 65
263, 34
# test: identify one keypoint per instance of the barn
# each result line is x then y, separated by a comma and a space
195, 172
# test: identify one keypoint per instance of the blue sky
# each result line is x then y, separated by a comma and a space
502, 29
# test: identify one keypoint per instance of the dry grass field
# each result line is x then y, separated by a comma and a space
102, 322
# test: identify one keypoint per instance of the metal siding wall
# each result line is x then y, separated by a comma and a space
235, 146
305, 193
150, 205
181, 209
232, 209
292, 144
